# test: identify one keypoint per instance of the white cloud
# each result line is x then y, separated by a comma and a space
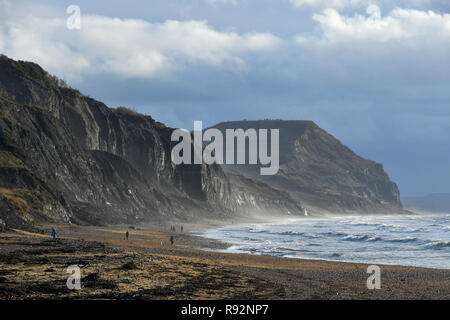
232, 2
338, 4
127, 47
406, 48
408, 25
353, 4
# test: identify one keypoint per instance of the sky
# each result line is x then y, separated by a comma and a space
373, 73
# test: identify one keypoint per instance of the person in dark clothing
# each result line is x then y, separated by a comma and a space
181, 228
171, 240
54, 234
127, 235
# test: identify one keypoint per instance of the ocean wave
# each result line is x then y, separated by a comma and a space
385, 226
368, 224
234, 247
282, 233
312, 245
335, 234
372, 238
437, 244
284, 249
365, 237
407, 239
251, 230
336, 255
290, 233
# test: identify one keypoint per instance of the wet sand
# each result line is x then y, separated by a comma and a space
147, 266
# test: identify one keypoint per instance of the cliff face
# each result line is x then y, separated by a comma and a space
67, 157
320, 171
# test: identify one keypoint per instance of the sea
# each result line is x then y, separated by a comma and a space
406, 240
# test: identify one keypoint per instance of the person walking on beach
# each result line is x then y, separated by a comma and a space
181, 228
171, 240
127, 234
54, 234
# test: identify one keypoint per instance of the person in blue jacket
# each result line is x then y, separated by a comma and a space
54, 234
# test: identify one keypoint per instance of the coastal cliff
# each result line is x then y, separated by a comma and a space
67, 157
318, 170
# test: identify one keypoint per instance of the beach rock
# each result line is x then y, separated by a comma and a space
92, 277
129, 266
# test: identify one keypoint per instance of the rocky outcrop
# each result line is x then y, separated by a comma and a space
319, 171
68, 157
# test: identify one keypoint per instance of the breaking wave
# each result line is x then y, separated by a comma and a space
413, 240
438, 244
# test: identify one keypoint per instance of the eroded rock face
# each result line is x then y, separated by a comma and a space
320, 171
67, 157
